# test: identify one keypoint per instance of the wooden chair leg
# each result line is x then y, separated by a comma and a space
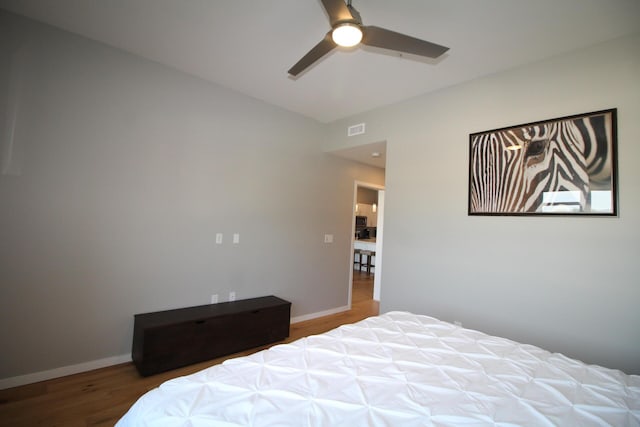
370, 264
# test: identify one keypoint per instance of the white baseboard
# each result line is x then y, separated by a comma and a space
116, 360
320, 314
63, 371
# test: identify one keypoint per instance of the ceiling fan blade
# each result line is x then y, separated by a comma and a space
387, 39
325, 46
338, 11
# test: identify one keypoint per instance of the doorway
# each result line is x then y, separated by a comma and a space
365, 279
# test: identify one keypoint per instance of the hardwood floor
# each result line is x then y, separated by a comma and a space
101, 397
362, 289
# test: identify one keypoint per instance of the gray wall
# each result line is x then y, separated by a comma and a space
367, 196
122, 174
567, 284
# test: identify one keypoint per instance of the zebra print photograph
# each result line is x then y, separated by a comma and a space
561, 166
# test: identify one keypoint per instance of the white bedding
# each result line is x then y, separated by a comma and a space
397, 369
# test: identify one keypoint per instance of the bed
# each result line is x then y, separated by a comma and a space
396, 369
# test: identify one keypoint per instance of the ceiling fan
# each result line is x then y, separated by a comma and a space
347, 31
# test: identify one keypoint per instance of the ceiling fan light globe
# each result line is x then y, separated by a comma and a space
346, 35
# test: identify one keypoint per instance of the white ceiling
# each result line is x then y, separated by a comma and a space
249, 45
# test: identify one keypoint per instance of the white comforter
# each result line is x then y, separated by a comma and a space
398, 369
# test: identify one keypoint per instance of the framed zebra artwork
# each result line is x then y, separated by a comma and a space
562, 166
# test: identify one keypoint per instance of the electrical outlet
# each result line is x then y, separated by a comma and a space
214, 299
232, 296
218, 238
328, 238
236, 238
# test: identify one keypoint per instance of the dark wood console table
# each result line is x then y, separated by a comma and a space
166, 340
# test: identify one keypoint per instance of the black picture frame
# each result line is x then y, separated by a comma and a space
560, 166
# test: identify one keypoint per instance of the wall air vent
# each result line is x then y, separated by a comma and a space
355, 130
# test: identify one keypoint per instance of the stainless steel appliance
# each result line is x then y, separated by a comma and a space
361, 224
